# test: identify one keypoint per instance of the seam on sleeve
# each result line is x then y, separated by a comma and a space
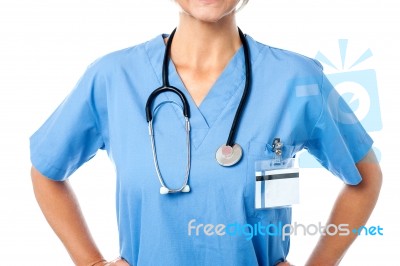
44, 164
92, 112
145, 48
368, 141
307, 144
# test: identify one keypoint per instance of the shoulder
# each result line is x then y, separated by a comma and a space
296, 81
280, 59
116, 69
125, 57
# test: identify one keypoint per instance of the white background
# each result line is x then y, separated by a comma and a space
46, 45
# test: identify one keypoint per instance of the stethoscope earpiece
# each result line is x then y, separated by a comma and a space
164, 190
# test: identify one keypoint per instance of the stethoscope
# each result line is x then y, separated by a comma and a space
228, 154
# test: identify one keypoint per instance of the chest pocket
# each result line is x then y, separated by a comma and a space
262, 151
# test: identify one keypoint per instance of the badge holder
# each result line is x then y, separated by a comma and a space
277, 180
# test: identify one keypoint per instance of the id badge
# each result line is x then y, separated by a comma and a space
277, 183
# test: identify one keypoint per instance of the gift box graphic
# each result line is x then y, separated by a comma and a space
358, 88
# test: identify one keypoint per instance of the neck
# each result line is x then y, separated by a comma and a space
200, 45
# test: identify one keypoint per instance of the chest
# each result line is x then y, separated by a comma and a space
198, 82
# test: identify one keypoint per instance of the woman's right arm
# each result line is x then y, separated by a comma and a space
61, 209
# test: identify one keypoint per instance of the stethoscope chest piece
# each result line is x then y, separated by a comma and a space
228, 156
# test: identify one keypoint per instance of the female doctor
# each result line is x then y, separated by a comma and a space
212, 64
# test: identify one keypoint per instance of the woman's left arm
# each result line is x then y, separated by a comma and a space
353, 207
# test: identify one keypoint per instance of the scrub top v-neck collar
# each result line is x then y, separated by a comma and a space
228, 87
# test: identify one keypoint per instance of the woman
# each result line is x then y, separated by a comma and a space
289, 98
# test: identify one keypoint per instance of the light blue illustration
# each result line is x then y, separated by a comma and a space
358, 88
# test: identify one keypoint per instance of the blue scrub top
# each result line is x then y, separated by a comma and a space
290, 98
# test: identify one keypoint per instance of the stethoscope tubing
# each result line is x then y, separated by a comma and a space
236, 120
155, 158
166, 87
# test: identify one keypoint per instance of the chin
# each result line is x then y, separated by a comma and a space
209, 11
209, 17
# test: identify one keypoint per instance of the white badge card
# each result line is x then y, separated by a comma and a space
277, 183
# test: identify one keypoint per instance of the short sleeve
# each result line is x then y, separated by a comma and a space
70, 136
338, 140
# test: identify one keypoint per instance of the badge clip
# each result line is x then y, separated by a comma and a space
277, 147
